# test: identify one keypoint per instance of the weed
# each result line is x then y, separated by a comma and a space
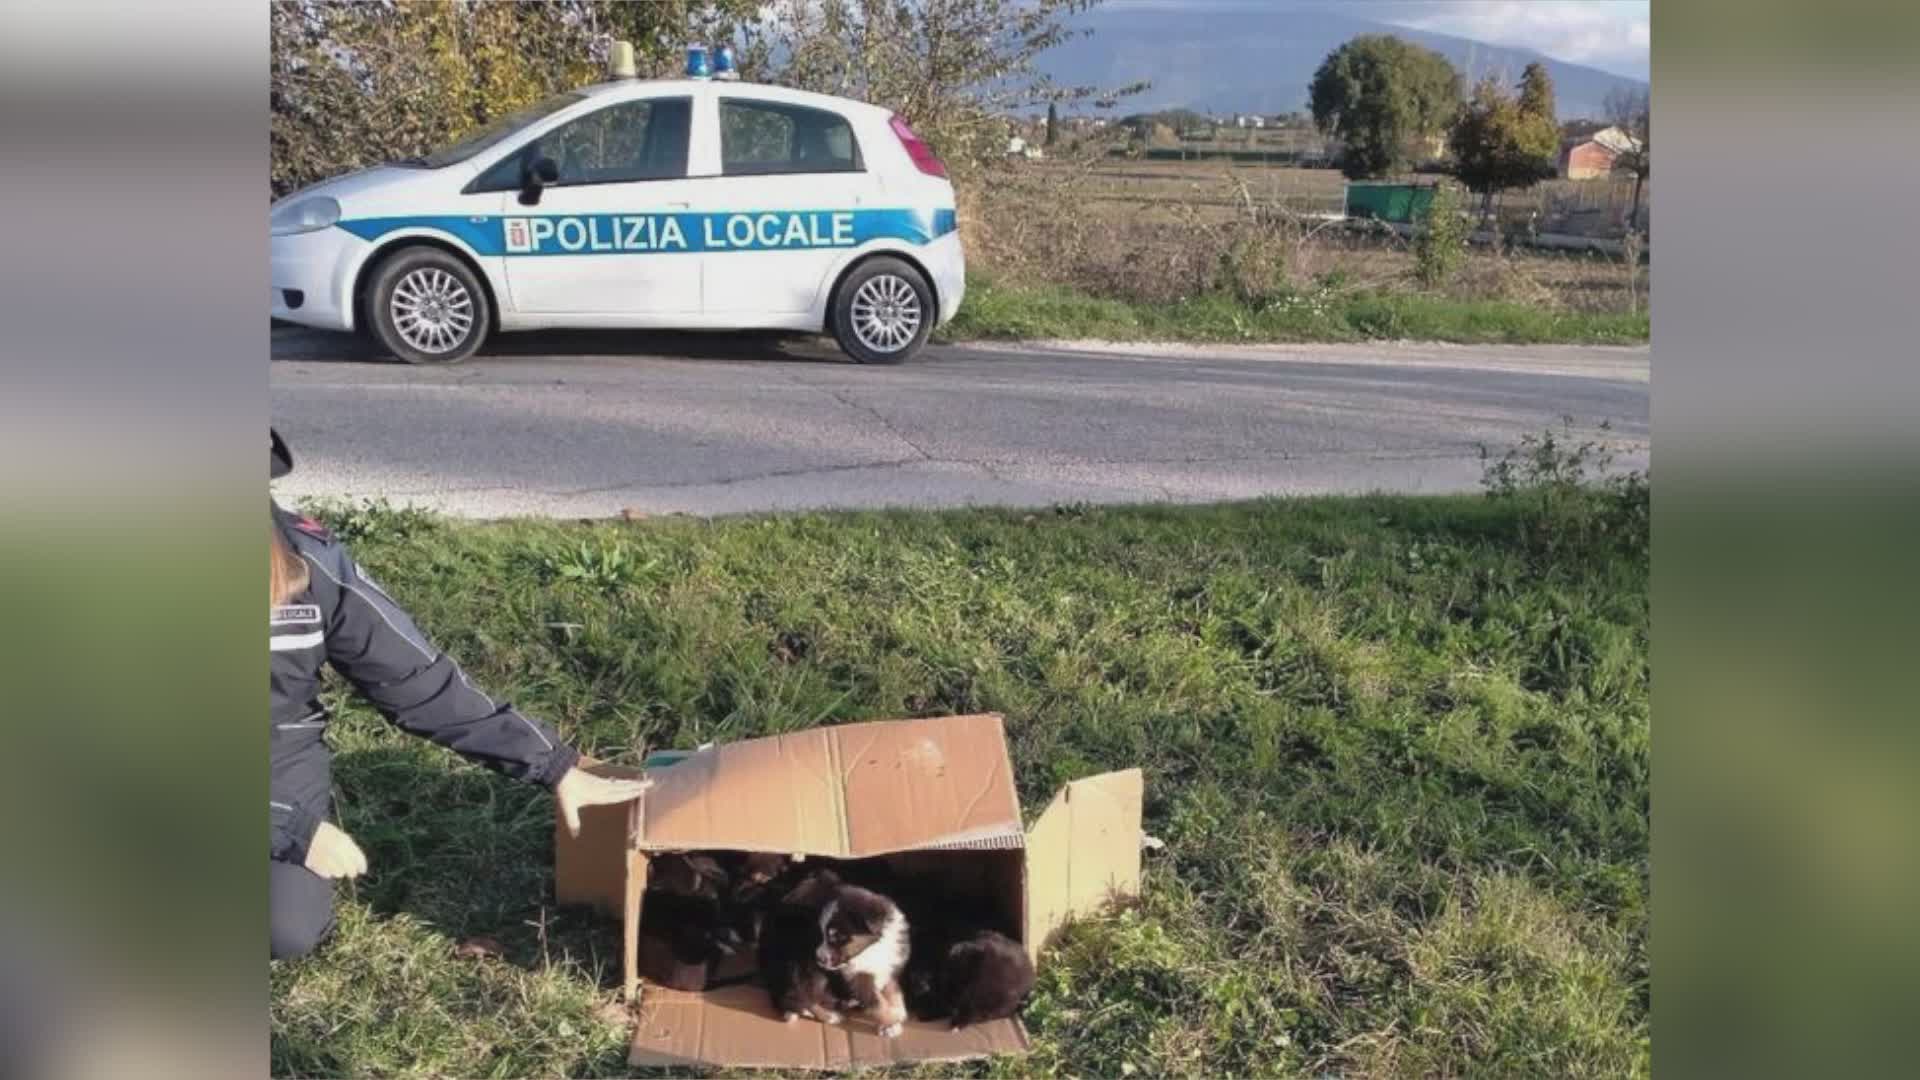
606, 567
1570, 494
374, 519
1440, 245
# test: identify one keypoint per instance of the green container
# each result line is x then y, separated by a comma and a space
1401, 203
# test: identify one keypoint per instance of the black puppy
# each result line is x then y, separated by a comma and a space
789, 941
980, 976
688, 874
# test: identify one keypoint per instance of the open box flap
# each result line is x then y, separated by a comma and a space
848, 792
736, 1027
591, 868
1083, 850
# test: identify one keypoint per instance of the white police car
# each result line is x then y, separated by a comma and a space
679, 203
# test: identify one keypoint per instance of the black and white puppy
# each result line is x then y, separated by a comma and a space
790, 940
981, 976
864, 940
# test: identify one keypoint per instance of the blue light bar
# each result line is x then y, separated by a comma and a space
697, 62
723, 63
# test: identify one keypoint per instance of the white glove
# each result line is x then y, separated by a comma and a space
333, 854
581, 788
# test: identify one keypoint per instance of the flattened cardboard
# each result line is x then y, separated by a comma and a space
847, 792
1082, 851
736, 1025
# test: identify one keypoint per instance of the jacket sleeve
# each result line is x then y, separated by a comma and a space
380, 650
290, 830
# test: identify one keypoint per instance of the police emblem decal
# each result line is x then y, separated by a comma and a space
518, 239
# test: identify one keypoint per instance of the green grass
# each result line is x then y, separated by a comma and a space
1398, 750
994, 309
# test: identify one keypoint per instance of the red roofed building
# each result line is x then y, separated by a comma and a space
1591, 155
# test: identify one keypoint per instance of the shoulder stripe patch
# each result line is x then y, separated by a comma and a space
293, 614
295, 642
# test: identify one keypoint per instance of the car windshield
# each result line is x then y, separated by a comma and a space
488, 134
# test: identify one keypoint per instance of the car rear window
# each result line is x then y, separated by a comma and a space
768, 138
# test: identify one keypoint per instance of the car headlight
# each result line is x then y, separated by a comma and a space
303, 215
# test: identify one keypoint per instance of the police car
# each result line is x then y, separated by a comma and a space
689, 203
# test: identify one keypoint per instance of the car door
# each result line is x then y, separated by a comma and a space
609, 235
778, 215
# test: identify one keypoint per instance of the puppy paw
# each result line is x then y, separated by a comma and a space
829, 1017
790, 1017
888, 1031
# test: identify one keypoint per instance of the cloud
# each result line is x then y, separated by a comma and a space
1614, 35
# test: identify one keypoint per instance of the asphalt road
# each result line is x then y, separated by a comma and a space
583, 424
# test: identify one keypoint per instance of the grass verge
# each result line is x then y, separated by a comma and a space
994, 309
1397, 748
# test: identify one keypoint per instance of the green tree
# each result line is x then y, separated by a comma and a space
1053, 123
1536, 92
1499, 142
353, 85
1383, 99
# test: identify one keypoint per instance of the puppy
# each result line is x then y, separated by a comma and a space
982, 976
790, 941
687, 874
754, 872
682, 938
864, 939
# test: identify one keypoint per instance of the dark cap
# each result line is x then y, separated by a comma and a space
279, 458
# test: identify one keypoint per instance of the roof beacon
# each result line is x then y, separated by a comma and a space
697, 67
723, 67
620, 61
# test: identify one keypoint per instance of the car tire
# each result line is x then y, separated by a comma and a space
883, 311
426, 307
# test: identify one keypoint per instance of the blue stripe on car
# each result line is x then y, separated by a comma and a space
667, 233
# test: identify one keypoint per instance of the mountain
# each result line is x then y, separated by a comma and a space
1222, 57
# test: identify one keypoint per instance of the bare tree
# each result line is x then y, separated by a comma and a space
954, 69
1630, 108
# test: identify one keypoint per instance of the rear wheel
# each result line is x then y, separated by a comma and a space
883, 311
426, 307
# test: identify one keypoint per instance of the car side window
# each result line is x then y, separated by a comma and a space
766, 138
634, 140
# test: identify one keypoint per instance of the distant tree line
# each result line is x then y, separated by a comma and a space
1389, 102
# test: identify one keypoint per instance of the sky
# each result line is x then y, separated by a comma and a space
1612, 35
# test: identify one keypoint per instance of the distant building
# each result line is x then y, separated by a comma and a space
1591, 155
1021, 148
1242, 120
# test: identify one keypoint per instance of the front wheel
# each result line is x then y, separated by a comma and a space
883, 311
426, 307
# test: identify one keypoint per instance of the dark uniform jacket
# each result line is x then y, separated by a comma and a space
346, 620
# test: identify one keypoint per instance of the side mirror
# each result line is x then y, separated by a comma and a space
538, 175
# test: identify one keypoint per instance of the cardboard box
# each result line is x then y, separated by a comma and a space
935, 798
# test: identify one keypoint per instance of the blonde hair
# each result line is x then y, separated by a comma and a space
286, 571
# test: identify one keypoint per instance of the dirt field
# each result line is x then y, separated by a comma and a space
1162, 230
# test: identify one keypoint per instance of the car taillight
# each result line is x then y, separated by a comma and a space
921, 154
